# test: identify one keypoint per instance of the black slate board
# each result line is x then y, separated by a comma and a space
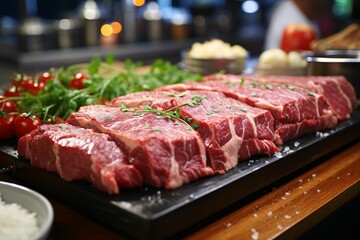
144, 213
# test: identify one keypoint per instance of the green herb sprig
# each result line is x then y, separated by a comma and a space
171, 113
104, 82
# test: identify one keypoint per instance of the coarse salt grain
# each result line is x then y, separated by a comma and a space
286, 149
16, 222
255, 234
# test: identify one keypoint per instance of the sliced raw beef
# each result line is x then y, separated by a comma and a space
155, 99
339, 92
296, 111
231, 130
79, 154
166, 151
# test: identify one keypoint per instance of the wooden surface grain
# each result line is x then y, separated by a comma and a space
286, 211
294, 207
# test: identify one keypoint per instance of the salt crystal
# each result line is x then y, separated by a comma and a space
278, 154
305, 192
191, 196
228, 225
297, 212
269, 214
313, 175
348, 174
279, 226
287, 193
255, 234
300, 180
255, 215
267, 162
286, 149
287, 216
318, 190
296, 144
283, 197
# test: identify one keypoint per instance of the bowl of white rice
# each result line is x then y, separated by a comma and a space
24, 213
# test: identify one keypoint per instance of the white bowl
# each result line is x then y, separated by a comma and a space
33, 202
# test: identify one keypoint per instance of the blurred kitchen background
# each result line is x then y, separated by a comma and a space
38, 34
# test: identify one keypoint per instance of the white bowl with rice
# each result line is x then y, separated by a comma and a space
24, 213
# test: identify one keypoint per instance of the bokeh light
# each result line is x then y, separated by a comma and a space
138, 3
116, 27
106, 30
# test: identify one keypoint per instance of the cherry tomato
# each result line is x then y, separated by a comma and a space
24, 124
19, 80
7, 105
297, 37
12, 92
78, 81
33, 87
45, 76
7, 130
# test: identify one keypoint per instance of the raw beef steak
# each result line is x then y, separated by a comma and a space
166, 151
296, 111
231, 130
339, 92
79, 154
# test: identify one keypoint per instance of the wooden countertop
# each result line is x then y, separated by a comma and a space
287, 211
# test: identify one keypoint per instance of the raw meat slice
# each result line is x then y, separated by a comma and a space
294, 110
166, 151
231, 130
79, 154
339, 92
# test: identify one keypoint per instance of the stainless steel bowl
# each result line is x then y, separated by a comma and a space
336, 62
33, 202
213, 65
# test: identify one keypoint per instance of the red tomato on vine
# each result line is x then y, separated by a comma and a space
25, 123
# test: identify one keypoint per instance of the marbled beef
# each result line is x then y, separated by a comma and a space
167, 152
231, 130
296, 111
79, 154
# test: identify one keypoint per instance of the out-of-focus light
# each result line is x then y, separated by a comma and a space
152, 12
250, 6
178, 19
116, 27
65, 24
138, 3
106, 30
